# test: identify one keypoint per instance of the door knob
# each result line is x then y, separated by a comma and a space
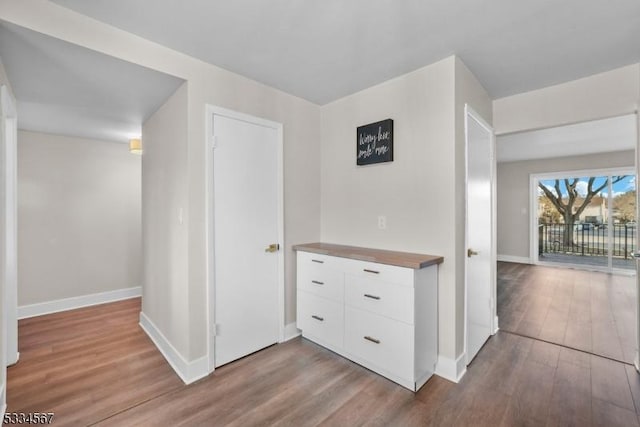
471, 252
274, 247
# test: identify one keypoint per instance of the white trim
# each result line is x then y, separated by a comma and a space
291, 331
513, 258
9, 283
188, 372
533, 219
55, 306
470, 112
209, 239
637, 302
452, 370
584, 172
3, 401
496, 325
210, 111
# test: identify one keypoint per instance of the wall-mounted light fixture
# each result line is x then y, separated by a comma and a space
135, 146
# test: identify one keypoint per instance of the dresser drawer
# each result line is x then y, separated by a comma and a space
321, 319
321, 280
383, 342
318, 261
386, 299
386, 273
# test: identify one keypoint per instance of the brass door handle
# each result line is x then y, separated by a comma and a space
274, 247
471, 252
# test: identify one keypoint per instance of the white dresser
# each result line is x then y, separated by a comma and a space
377, 308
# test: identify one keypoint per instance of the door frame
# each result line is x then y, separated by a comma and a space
637, 169
10, 125
533, 215
8, 289
210, 111
469, 112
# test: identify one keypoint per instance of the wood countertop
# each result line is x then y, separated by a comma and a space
400, 259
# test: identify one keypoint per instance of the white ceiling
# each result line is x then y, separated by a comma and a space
598, 136
324, 50
320, 51
62, 88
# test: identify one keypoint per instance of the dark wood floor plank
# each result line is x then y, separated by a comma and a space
609, 383
589, 311
570, 402
529, 405
95, 366
606, 414
634, 384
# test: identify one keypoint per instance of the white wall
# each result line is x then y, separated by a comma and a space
206, 84
79, 217
514, 198
421, 192
609, 94
164, 195
416, 192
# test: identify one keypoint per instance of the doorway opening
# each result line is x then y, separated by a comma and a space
585, 219
570, 278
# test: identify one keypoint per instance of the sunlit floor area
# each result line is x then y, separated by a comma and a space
619, 263
585, 310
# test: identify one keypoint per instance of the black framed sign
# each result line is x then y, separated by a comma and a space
375, 143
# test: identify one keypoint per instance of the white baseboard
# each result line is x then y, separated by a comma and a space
14, 361
496, 328
187, 371
518, 259
56, 306
452, 370
291, 332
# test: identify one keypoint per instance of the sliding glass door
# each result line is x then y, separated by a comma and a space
585, 220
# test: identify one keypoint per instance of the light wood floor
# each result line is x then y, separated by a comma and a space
96, 367
585, 310
86, 365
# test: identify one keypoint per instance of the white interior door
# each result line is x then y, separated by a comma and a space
246, 198
480, 259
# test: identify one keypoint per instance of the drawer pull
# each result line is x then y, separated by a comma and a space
371, 271
318, 318
317, 283
318, 261
372, 296
368, 338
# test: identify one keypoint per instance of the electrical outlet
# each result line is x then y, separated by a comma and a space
382, 222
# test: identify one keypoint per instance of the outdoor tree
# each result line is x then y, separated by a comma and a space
570, 203
625, 206
549, 214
